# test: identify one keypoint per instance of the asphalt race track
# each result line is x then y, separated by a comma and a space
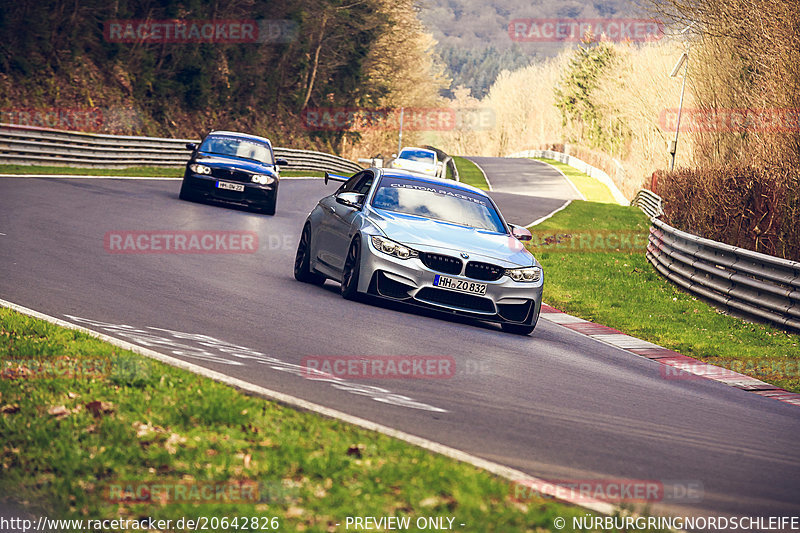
524, 176
557, 404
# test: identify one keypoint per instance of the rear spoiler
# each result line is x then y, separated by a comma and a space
335, 177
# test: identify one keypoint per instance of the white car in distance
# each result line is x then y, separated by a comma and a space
418, 161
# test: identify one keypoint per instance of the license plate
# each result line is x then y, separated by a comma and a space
460, 285
230, 186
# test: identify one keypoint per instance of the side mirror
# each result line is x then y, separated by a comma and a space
350, 199
394, 155
191, 146
520, 233
281, 162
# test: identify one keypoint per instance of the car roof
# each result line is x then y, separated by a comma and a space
239, 134
418, 149
397, 173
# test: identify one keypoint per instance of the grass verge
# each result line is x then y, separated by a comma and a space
621, 289
130, 171
470, 174
590, 188
77, 444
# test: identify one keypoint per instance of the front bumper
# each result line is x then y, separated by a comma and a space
410, 281
254, 194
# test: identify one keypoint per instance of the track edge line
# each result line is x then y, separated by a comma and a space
298, 403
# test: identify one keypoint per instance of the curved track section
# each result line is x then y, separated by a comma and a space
557, 405
526, 177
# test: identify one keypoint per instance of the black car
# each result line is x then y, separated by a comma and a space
234, 168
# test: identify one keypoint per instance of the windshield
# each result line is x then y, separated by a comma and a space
423, 156
440, 202
237, 147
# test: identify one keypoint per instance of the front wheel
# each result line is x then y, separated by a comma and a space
302, 261
352, 268
269, 207
185, 193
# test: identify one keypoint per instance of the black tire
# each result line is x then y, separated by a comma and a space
269, 207
351, 271
302, 260
185, 193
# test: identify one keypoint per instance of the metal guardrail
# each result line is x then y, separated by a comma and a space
756, 284
649, 202
30, 145
450, 163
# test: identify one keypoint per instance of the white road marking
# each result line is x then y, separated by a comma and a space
218, 351
488, 183
546, 488
542, 219
624, 341
579, 193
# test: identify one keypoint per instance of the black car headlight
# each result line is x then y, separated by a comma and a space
392, 248
199, 169
527, 274
263, 179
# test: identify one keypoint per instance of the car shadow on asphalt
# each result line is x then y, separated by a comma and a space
407, 308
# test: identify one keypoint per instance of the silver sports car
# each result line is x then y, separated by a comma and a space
424, 241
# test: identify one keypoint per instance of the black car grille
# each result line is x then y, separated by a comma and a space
231, 175
441, 263
483, 271
456, 299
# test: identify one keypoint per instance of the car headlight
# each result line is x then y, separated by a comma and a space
397, 164
395, 249
199, 169
263, 179
527, 274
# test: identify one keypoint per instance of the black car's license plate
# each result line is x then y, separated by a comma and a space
238, 187
460, 285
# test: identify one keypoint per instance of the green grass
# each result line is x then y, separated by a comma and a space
622, 290
161, 424
130, 171
470, 174
590, 188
